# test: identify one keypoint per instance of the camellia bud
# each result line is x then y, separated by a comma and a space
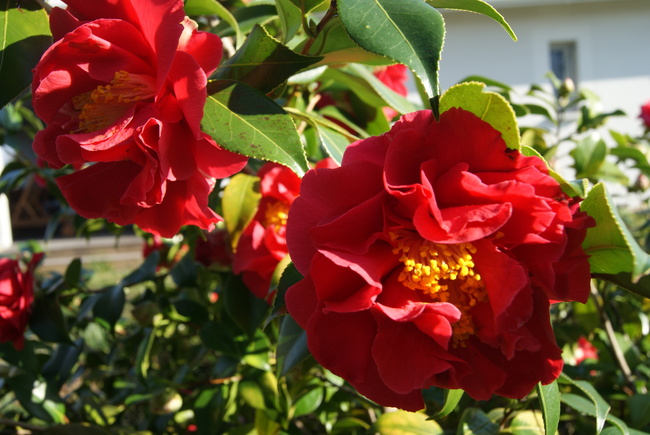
567, 87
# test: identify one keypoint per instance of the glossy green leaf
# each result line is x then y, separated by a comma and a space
407, 31
597, 406
306, 6
476, 422
452, 397
110, 304
477, 6
392, 98
143, 355
308, 402
332, 141
588, 156
290, 276
263, 62
33, 395
406, 423
145, 272
239, 204
73, 273
292, 345
335, 46
213, 7
290, 18
251, 394
247, 310
611, 246
528, 423
489, 106
549, 401
47, 320
24, 37
243, 120
585, 406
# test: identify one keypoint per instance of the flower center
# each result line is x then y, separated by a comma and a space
276, 215
444, 272
104, 105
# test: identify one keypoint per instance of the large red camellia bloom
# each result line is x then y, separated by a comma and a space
16, 297
122, 92
263, 243
430, 258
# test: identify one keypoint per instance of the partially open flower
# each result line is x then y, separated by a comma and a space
122, 92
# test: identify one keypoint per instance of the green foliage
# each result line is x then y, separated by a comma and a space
174, 346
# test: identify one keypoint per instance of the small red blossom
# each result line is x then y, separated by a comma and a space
645, 115
122, 92
395, 77
430, 258
584, 350
263, 243
16, 297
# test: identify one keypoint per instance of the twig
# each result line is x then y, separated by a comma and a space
28, 426
609, 330
331, 13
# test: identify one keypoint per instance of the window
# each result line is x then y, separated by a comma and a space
563, 60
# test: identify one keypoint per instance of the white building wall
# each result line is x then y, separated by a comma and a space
612, 41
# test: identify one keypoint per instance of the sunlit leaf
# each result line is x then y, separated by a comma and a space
213, 7
549, 400
239, 204
24, 37
477, 6
452, 397
263, 62
611, 246
407, 31
243, 120
406, 423
489, 106
596, 405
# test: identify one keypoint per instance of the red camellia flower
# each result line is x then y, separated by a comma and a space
122, 92
263, 243
645, 115
430, 258
16, 296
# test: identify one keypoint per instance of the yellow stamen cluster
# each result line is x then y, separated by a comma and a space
104, 105
276, 215
444, 272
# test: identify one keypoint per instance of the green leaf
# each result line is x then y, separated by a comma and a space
477, 6
247, 310
588, 155
598, 407
24, 37
528, 422
406, 423
143, 355
245, 121
47, 320
239, 204
308, 402
290, 276
583, 405
334, 142
335, 46
452, 397
110, 304
476, 422
292, 346
73, 273
489, 106
290, 18
407, 31
611, 246
392, 98
213, 7
549, 400
263, 63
